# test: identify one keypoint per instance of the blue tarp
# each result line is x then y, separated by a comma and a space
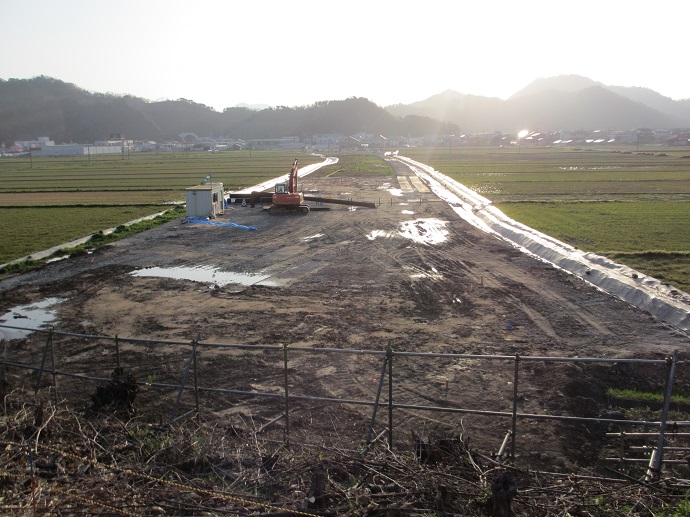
201, 220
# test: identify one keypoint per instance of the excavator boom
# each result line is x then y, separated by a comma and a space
292, 180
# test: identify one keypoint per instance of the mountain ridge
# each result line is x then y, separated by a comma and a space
553, 103
67, 113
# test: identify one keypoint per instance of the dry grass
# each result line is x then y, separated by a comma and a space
106, 463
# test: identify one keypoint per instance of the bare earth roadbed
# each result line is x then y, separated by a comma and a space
353, 279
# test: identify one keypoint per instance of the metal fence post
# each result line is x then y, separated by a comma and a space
376, 402
191, 361
52, 360
117, 351
389, 357
515, 402
33, 478
287, 396
49, 345
196, 378
43, 360
655, 462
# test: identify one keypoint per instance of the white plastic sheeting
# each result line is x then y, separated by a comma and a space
649, 294
303, 171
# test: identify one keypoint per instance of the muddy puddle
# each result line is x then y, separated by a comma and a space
209, 275
28, 318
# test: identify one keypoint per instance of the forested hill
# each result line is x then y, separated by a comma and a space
44, 106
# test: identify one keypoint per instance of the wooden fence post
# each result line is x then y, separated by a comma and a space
503, 489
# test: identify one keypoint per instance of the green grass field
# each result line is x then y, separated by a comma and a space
145, 171
24, 228
633, 207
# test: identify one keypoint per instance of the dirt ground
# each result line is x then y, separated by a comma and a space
348, 279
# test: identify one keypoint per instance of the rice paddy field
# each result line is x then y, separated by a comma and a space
45, 202
632, 206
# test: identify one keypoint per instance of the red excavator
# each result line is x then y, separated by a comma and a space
286, 199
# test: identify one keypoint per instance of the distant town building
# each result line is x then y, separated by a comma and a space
678, 141
77, 150
26, 145
44, 146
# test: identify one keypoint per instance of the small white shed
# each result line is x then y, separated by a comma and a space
205, 200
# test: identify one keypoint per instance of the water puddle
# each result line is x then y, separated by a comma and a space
31, 317
425, 231
208, 275
379, 234
391, 190
312, 237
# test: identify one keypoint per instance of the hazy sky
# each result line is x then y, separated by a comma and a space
294, 53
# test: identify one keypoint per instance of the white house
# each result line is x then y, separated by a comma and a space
205, 200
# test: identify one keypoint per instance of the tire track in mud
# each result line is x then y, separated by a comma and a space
653, 296
358, 382
428, 269
547, 299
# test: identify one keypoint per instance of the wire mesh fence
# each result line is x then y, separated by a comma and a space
357, 396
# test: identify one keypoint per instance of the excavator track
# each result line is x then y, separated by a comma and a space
288, 210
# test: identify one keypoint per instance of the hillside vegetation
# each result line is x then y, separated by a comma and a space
48, 107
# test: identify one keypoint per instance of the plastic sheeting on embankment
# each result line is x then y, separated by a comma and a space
202, 220
647, 293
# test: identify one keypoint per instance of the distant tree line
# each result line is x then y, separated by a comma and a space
44, 106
